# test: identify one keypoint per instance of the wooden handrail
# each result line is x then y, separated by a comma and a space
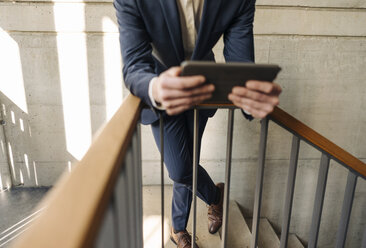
295, 126
74, 210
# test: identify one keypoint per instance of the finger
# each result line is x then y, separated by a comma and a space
263, 86
177, 110
254, 112
174, 93
180, 108
255, 95
189, 101
182, 83
174, 71
264, 107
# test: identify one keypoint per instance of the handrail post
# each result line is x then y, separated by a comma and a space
290, 191
364, 239
229, 146
346, 209
138, 188
259, 182
162, 176
319, 200
194, 178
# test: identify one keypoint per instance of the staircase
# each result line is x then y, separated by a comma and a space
239, 234
109, 212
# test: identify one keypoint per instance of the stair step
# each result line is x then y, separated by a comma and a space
267, 236
152, 220
238, 231
294, 242
239, 235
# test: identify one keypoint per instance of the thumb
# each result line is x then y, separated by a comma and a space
174, 71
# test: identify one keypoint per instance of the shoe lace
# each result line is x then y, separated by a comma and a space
186, 238
214, 214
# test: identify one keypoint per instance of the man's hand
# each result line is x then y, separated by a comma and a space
177, 94
258, 97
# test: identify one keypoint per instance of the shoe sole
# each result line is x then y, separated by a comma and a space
171, 238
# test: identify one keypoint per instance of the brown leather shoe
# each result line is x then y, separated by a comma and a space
215, 212
181, 239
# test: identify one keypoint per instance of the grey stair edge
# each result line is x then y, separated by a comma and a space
238, 231
294, 242
267, 236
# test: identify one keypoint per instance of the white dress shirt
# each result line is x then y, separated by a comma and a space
190, 13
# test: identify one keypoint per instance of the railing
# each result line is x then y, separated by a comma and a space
100, 203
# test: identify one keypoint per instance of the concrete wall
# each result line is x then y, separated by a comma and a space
60, 81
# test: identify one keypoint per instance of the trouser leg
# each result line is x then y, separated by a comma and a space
178, 148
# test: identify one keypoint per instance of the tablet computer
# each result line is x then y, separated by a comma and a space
227, 75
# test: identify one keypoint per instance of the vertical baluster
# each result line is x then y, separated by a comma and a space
107, 236
229, 145
319, 200
162, 177
121, 196
290, 191
131, 185
364, 240
259, 182
194, 179
346, 209
138, 186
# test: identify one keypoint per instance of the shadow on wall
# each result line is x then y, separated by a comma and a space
59, 84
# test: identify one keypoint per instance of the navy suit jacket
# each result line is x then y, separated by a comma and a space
149, 27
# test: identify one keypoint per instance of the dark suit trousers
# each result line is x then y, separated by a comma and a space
178, 158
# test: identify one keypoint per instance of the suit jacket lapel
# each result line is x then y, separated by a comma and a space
171, 15
210, 11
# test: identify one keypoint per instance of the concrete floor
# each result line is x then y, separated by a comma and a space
17, 210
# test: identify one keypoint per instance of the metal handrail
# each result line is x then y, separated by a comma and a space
76, 205
318, 141
329, 151
119, 144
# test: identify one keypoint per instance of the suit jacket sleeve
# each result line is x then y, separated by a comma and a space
139, 66
238, 38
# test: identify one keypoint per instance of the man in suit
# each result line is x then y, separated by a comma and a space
156, 36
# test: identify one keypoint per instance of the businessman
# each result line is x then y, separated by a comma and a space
156, 36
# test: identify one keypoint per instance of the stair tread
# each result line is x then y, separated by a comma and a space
267, 236
294, 242
152, 220
238, 231
239, 235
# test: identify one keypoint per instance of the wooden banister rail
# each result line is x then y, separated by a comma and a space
309, 135
76, 204
75, 207
295, 126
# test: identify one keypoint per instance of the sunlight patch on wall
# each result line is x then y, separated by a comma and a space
21, 123
27, 165
112, 69
35, 173
69, 166
72, 55
10, 151
12, 117
11, 74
